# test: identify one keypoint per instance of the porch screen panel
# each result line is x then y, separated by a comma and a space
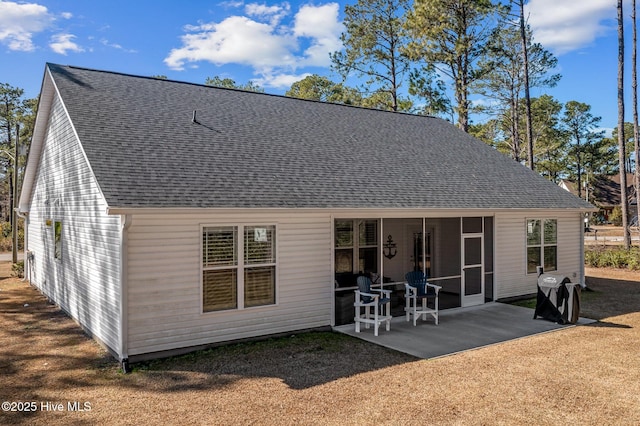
356, 249
344, 246
488, 244
472, 251
368, 231
471, 225
344, 233
488, 258
368, 246
446, 256
473, 281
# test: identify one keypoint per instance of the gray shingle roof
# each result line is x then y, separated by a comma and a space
257, 150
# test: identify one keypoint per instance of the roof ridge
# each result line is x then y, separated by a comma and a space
125, 74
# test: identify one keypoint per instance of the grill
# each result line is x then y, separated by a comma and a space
558, 299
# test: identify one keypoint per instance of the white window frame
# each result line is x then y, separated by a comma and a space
240, 266
542, 244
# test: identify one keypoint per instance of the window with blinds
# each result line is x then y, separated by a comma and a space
259, 265
238, 272
219, 268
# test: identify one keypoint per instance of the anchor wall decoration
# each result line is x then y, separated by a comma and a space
389, 248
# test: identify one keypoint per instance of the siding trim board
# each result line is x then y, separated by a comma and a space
125, 223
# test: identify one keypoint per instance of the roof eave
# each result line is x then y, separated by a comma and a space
47, 92
120, 210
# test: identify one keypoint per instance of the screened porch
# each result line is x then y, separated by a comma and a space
454, 252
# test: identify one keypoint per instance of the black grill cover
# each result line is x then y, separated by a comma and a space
558, 300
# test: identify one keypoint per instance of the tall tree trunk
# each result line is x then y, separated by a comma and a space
621, 141
527, 97
515, 131
634, 85
579, 163
14, 193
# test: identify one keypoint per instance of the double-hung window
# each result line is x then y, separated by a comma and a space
238, 267
542, 244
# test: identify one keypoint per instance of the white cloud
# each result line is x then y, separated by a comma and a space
322, 26
238, 40
280, 81
117, 46
231, 4
563, 26
264, 41
273, 14
63, 43
20, 21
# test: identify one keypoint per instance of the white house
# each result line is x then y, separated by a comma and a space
166, 216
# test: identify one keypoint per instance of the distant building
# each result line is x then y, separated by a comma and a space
604, 193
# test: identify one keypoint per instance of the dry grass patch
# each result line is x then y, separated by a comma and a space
580, 375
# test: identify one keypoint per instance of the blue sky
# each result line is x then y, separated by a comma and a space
272, 43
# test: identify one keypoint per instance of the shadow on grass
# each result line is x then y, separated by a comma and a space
37, 333
609, 298
301, 361
39, 344
607, 324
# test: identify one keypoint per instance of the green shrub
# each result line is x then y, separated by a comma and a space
18, 269
613, 257
6, 241
616, 216
6, 229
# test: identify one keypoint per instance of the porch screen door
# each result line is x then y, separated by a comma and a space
472, 269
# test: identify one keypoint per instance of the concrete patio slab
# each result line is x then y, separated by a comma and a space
459, 329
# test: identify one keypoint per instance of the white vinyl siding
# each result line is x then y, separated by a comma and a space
164, 289
75, 244
511, 250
